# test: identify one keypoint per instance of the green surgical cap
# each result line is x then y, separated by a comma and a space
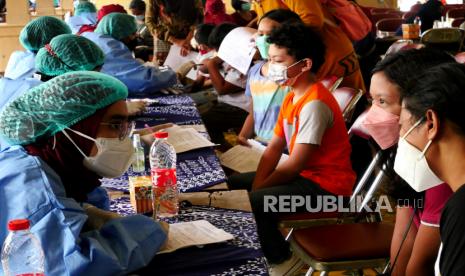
117, 25
83, 7
57, 104
67, 53
40, 31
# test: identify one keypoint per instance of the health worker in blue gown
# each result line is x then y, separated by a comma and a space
116, 36
67, 134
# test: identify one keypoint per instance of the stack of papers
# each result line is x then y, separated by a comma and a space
193, 233
245, 159
182, 139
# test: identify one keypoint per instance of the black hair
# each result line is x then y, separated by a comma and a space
202, 32
137, 5
282, 15
237, 4
185, 10
219, 33
441, 89
301, 42
401, 67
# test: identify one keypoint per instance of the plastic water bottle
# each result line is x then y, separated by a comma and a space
163, 171
22, 254
138, 164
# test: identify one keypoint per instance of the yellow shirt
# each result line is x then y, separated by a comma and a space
340, 58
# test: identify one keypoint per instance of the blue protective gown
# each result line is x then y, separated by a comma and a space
30, 189
121, 64
21, 65
76, 22
12, 89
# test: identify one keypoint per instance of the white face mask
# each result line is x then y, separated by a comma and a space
412, 166
140, 17
113, 158
278, 73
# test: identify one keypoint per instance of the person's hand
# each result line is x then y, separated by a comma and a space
96, 217
136, 107
165, 226
185, 48
241, 140
161, 57
184, 69
152, 129
214, 62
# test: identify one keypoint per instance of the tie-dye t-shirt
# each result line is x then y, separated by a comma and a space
267, 98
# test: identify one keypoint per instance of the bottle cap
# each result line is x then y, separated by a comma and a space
18, 224
161, 134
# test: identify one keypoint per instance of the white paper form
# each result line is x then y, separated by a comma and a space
245, 159
237, 48
174, 59
186, 139
192, 233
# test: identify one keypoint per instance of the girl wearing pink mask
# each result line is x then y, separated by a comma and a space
389, 83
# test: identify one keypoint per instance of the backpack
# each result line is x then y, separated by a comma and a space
350, 18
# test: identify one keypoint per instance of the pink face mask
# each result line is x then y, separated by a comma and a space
382, 126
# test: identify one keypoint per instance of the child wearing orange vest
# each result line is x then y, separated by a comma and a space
311, 126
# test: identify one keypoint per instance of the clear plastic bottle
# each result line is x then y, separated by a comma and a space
22, 253
138, 165
163, 170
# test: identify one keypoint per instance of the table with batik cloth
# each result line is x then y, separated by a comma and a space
196, 171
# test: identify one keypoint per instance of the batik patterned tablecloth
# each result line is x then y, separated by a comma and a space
240, 256
196, 170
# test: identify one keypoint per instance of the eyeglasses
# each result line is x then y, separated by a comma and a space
125, 128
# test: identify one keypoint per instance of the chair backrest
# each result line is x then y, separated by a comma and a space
402, 45
332, 82
400, 13
389, 24
377, 17
381, 10
457, 22
347, 98
407, 15
456, 13
451, 7
447, 39
460, 57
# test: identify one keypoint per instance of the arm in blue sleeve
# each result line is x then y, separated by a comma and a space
138, 77
120, 246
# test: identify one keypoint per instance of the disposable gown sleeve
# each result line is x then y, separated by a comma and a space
35, 192
20, 65
138, 77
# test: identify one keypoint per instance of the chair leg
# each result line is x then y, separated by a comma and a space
310, 271
324, 273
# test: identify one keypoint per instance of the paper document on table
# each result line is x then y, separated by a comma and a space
174, 59
193, 233
245, 159
199, 128
238, 49
186, 139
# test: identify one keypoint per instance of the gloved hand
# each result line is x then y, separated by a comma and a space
136, 107
96, 217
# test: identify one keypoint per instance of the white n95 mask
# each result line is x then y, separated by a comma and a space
278, 73
412, 166
113, 158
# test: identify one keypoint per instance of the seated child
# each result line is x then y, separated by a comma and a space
311, 125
